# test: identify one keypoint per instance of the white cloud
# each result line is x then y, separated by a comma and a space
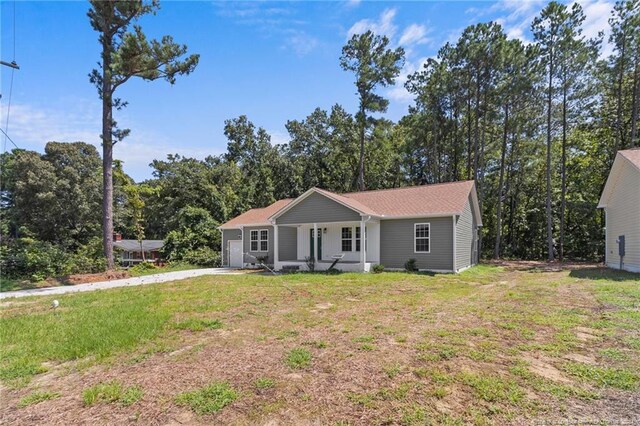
597, 14
31, 127
301, 42
353, 3
414, 34
383, 26
278, 137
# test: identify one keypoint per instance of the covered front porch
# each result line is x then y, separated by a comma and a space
317, 245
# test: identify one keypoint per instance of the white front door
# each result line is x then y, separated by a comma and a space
235, 253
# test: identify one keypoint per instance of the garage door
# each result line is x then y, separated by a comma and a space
235, 254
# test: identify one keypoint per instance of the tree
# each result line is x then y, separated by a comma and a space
367, 56
547, 29
126, 54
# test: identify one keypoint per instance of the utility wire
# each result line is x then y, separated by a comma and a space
6, 136
6, 125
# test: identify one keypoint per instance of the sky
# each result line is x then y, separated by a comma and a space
271, 61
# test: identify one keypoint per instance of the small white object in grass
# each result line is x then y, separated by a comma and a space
55, 304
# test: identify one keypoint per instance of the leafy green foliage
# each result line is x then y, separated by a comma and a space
195, 240
410, 265
378, 269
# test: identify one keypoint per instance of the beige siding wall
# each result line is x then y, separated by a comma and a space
623, 218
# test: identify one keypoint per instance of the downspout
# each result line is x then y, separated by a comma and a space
242, 244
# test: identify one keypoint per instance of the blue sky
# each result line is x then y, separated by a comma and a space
271, 61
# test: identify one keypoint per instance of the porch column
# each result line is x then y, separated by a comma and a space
363, 250
315, 243
276, 248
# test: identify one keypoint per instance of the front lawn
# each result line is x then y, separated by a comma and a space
492, 345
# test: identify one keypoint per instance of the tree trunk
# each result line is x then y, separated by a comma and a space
107, 152
496, 251
548, 204
620, 141
476, 142
363, 124
563, 205
469, 130
636, 95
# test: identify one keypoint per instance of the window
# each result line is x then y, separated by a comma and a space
357, 238
264, 240
259, 240
421, 238
347, 239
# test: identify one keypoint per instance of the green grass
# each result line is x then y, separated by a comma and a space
264, 383
37, 397
198, 324
112, 392
621, 378
417, 333
91, 324
298, 358
209, 399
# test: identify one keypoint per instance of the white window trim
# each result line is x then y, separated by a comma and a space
259, 240
352, 239
415, 226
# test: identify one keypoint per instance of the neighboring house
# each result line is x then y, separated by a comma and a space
131, 250
621, 203
435, 224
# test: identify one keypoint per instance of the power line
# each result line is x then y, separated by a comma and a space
13, 65
6, 136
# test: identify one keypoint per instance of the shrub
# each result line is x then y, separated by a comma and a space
203, 256
209, 399
143, 267
377, 269
410, 265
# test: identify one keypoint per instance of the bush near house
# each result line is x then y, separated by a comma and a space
410, 265
378, 269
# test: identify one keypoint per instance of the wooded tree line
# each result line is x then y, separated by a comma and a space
537, 126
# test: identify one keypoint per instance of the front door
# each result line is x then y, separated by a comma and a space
235, 253
311, 242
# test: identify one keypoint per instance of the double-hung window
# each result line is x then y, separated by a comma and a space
357, 238
259, 240
421, 238
347, 238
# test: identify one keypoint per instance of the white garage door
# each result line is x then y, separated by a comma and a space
235, 254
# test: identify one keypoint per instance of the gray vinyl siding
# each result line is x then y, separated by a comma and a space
317, 208
288, 243
466, 237
397, 243
228, 235
247, 245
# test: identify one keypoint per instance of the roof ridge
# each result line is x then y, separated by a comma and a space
403, 187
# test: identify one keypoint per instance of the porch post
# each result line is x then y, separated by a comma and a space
315, 243
363, 254
275, 247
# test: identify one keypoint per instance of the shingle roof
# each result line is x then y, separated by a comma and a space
436, 199
425, 200
632, 155
256, 216
134, 245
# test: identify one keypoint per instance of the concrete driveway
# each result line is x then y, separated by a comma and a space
126, 282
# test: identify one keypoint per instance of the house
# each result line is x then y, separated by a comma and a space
435, 224
621, 203
131, 250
